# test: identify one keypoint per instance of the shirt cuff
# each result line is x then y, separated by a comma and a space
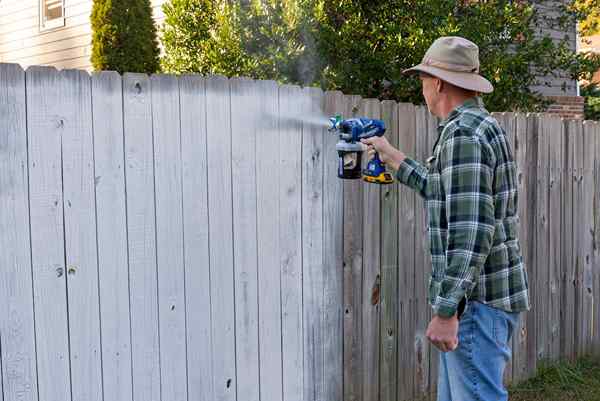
405, 169
447, 307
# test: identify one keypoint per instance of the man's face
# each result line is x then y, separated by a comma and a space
430, 93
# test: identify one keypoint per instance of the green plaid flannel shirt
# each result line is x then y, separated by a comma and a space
470, 190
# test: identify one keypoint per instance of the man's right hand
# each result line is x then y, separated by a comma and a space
387, 153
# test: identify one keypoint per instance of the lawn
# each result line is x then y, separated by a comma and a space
578, 381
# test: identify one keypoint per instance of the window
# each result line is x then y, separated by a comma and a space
52, 14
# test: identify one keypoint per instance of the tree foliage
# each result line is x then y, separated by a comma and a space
124, 36
362, 46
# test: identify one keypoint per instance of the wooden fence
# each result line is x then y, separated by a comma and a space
186, 238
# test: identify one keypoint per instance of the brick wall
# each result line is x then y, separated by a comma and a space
567, 106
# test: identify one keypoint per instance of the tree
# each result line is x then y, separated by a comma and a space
362, 46
124, 36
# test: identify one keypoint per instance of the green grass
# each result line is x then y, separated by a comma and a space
577, 381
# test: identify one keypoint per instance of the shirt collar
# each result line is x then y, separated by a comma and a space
472, 102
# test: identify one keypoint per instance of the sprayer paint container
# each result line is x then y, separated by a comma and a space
349, 160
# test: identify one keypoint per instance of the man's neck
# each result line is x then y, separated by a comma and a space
450, 103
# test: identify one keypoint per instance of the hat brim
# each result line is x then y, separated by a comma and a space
465, 80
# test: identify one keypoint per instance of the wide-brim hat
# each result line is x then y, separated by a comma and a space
455, 60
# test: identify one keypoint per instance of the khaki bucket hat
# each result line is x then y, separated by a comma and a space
455, 60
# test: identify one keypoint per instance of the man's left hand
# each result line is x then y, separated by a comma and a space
443, 333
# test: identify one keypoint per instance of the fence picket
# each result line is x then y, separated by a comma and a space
406, 259
269, 285
141, 236
109, 171
290, 239
389, 268
312, 245
169, 234
333, 197
192, 100
244, 149
45, 123
18, 368
353, 261
220, 217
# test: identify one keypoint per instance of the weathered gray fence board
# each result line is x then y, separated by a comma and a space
269, 285
333, 270
434, 356
244, 149
44, 130
590, 135
169, 234
218, 131
389, 269
141, 236
521, 332
290, 240
578, 237
554, 136
371, 277
541, 287
195, 235
406, 259
353, 259
567, 328
17, 336
80, 235
312, 246
422, 265
113, 272
531, 241
597, 244
596, 268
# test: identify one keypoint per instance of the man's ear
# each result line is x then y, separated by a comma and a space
439, 85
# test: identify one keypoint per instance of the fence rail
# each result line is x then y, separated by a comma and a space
186, 238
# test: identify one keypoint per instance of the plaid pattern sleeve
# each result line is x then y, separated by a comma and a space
467, 182
414, 174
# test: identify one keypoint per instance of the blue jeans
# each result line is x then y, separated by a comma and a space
474, 371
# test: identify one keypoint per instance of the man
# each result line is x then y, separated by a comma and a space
478, 284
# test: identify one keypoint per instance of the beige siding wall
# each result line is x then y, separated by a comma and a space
22, 41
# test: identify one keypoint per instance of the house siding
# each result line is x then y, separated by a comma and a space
563, 84
22, 41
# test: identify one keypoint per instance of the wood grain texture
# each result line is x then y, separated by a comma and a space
192, 100
371, 277
290, 239
169, 234
220, 217
578, 238
244, 149
113, 267
353, 260
389, 268
141, 236
554, 134
333, 269
406, 259
531, 167
590, 135
44, 134
521, 331
422, 264
17, 341
540, 293
312, 246
269, 284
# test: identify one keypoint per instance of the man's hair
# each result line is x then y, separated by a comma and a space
467, 91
